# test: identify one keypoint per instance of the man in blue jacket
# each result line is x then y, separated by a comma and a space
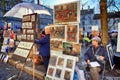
45, 47
96, 53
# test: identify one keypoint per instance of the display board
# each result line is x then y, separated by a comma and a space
22, 51
68, 12
61, 67
110, 55
64, 42
118, 39
29, 27
28, 35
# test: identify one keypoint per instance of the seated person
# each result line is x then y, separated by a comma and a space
96, 53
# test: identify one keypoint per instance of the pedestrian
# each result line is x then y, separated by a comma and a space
1, 37
44, 50
95, 53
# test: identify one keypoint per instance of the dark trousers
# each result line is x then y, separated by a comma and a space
46, 61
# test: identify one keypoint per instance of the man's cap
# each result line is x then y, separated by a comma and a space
96, 38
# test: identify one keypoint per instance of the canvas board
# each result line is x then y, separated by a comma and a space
63, 68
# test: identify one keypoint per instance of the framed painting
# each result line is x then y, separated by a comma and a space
56, 45
71, 49
67, 75
53, 60
58, 32
60, 61
72, 33
68, 12
58, 73
69, 63
51, 71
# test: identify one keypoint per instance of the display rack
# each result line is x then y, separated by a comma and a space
64, 42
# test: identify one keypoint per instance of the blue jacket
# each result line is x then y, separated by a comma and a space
89, 54
44, 45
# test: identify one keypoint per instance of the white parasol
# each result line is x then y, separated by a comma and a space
25, 8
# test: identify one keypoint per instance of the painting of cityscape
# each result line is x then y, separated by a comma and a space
67, 12
58, 32
71, 49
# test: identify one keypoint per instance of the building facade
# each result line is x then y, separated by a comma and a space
88, 19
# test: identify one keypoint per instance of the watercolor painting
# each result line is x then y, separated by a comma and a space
67, 75
60, 61
53, 60
50, 71
69, 63
58, 73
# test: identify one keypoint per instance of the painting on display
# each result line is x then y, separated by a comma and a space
69, 12
58, 73
73, 33
53, 60
51, 71
71, 49
58, 32
29, 28
60, 62
56, 45
64, 68
110, 55
67, 75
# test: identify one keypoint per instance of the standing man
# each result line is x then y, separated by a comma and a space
95, 53
45, 47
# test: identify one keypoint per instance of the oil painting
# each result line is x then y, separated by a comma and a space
50, 71
56, 45
58, 73
58, 32
67, 12
69, 63
53, 60
73, 33
67, 75
71, 49
60, 61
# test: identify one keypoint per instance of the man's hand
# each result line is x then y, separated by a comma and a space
101, 58
88, 61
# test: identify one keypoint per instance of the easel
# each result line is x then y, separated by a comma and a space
17, 77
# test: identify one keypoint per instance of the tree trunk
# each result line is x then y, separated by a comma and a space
104, 22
